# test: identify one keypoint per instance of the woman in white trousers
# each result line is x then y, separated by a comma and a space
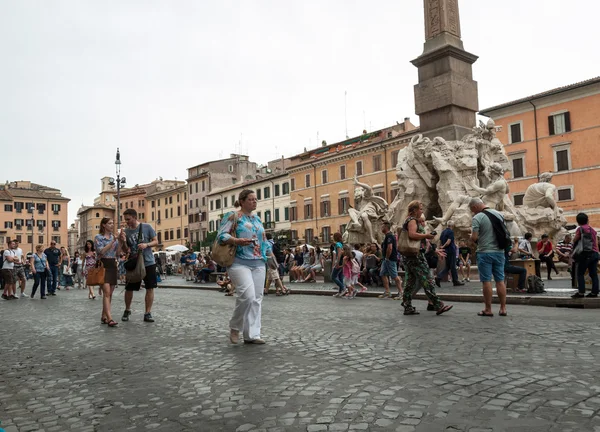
245, 230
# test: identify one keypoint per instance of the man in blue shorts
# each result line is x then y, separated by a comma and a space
389, 265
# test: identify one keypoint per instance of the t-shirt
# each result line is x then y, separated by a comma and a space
148, 234
358, 255
338, 250
53, 255
101, 242
464, 251
544, 249
525, 245
482, 225
389, 240
39, 262
448, 234
192, 258
565, 248
7, 265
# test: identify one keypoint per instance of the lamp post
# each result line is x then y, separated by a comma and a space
119, 182
32, 208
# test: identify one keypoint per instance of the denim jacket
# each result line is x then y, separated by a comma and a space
247, 227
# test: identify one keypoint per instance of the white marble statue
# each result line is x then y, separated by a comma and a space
365, 219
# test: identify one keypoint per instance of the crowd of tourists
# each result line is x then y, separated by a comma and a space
257, 261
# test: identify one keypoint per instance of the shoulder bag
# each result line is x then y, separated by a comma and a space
224, 254
407, 246
95, 274
138, 272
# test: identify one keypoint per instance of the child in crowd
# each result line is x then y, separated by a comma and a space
273, 276
464, 261
351, 270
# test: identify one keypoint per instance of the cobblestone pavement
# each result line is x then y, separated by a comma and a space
329, 365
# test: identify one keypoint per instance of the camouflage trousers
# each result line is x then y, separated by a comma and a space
417, 276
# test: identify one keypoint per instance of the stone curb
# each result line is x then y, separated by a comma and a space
527, 300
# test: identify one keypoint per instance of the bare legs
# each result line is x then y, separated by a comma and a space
107, 289
487, 296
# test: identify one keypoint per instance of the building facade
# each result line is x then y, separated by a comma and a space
134, 198
273, 207
32, 214
556, 131
209, 176
168, 210
89, 221
322, 180
73, 237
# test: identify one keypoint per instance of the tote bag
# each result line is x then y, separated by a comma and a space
139, 272
406, 246
224, 254
95, 275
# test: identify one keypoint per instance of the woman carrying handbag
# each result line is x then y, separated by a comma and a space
106, 244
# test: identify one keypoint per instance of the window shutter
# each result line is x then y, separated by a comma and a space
551, 125
340, 210
567, 122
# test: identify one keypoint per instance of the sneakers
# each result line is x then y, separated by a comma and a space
457, 283
14, 296
467, 280
5, 297
23, 295
438, 282
148, 318
126, 315
430, 307
43, 297
592, 295
577, 295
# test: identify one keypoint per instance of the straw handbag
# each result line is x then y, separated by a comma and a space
224, 254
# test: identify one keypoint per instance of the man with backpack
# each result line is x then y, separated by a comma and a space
492, 239
585, 254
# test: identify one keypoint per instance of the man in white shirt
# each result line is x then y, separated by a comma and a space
358, 254
8, 272
525, 248
20, 269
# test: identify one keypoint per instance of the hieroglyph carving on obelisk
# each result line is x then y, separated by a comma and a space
441, 16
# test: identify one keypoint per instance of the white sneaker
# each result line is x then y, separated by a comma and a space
468, 280
23, 295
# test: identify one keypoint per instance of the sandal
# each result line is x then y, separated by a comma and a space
384, 295
484, 314
443, 309
103, 321
112, 323
411, 311
503, 313
278, 294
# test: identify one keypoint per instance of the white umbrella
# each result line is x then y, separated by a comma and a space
307, 245
176, 248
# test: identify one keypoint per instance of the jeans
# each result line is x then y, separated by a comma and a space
40, 280
520, 271
548, 259
52, 280
249, 283
450, 267
490, 263
336, 276
206, 274
587, 261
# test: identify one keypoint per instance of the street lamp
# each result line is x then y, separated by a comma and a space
120, 182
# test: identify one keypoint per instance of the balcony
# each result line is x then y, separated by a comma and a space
269, 225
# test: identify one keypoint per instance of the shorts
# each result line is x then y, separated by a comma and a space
460, 263
389, 268
351, 281
19, 272
9, 276
150, 281
317, 268
273, 275
489, 263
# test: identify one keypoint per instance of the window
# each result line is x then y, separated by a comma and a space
185, 232
203, 186
518, 164
267, 216
359, 168
158, 215
211, 204
308, 212
343, 204
8, 207
56, 239
126, 205
258, 194
277, 187
276, 215
562, 158
19, 238
395, 158
342, 229
293, 214
565, 193
55, 225
294, 234
29, 239
171, 234
41, 239
166, 235
515, 132
195, 188
191, 203
376, 163
178, 210
343, 172
267, 192
225, 202
559, 123
326, 234
218, 204
211, 226
178, 197
19, 207
152, 203
325, 208
19, 223
204, 201
8, 224
518, 199
170, 200
152, 215
159, 237
307, 180
286, 214
232, 200
285, 188
230, 168
293, 184
324, 176
178, 233
308, 235
41, 208
158, 202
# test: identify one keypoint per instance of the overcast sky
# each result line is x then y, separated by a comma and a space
175, 83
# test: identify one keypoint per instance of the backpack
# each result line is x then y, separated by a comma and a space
535, 285
355, 267
277, 252
500, 231
585, 243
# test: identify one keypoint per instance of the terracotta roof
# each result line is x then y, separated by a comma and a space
167, 191
36, 194
543, 94
5, 196
99, 206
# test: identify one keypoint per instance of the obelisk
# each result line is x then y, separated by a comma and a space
446, 97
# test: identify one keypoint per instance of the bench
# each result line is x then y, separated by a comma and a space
212, 277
